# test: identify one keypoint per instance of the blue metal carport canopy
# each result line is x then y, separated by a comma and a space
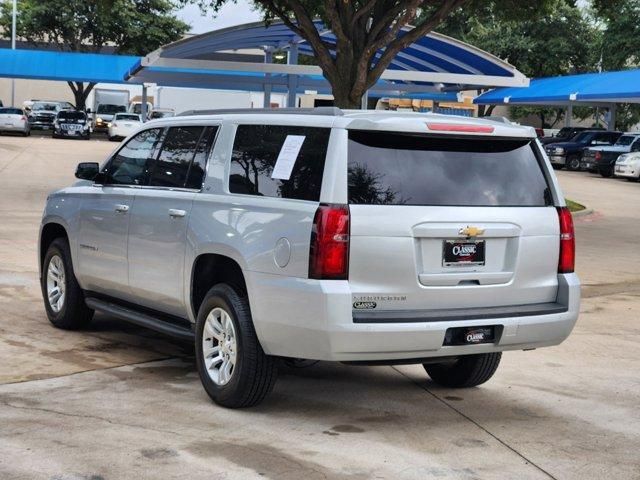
432, 60
589, 88
65, 66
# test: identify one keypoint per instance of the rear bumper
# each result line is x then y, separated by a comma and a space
15, 128
317, 322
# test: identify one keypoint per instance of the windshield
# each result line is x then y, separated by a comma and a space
565, 132
583, 137
71, 115
50, 107
127, 116
388, 168
157, 114
109, 109
625, 140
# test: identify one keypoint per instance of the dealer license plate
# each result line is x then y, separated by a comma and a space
463, 253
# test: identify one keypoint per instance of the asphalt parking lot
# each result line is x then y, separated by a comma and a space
118, 402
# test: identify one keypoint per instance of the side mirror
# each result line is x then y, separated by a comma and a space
87, 170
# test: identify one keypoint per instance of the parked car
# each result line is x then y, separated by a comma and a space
122, 125
566, 133
161, 113
71, 124
361, 237
569, 154
628, 165
602, 159
43, 113
14, 120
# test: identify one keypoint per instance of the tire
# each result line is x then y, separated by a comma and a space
467, 371
606, 173
573, 163
71, 313
253, 374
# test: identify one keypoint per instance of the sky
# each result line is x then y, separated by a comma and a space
231, 14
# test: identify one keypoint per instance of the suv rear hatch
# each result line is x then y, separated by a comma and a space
449, 222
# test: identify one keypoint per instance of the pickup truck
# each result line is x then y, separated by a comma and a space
569, 154
602, 160
565, 134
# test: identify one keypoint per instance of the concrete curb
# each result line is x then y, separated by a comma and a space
582, 213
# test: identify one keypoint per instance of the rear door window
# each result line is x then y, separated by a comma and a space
387, 168
255, 151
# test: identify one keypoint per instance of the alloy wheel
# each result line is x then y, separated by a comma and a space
56, 283
219, 346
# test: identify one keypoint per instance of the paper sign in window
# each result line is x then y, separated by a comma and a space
287, 157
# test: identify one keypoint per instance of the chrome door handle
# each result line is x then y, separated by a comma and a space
122, 208
175, 213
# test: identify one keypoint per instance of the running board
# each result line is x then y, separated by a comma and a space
141, 319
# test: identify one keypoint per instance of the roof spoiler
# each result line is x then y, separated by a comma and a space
331, 111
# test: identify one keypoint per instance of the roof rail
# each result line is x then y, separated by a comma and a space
331, 111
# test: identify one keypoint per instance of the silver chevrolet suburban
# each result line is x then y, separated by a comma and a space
353, 236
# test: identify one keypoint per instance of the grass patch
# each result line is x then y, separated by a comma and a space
574, 206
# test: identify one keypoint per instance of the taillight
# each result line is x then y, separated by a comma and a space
329, 252
566, 262
598, 156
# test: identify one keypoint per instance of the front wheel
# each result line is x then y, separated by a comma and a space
63, 297
233, 368
467, 371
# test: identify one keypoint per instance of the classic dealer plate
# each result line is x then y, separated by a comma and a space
462, 253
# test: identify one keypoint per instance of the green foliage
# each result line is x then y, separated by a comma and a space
130, 26
621, 40
557, 39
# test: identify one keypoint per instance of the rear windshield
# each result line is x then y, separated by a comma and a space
10, 111
127, 116
405, 169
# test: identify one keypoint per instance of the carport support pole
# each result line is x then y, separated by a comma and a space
568, 116
365, 101
13, 47
143, 110
268, 58
612, 117
292, 59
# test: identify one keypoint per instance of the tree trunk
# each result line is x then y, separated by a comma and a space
80, 93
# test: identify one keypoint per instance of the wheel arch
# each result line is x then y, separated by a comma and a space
48, 233
209, 269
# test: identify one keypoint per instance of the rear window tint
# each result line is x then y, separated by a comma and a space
405, 169
255, 151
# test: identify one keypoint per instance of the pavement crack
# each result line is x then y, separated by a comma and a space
89, 417
481, 427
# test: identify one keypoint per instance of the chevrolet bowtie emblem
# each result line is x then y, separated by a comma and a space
471, 231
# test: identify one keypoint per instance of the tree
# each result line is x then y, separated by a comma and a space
620, 46
558, 40
128, 26
369, 33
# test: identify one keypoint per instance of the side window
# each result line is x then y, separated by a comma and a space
133, 162
179, 148
255, 151
636, 146
195, 177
